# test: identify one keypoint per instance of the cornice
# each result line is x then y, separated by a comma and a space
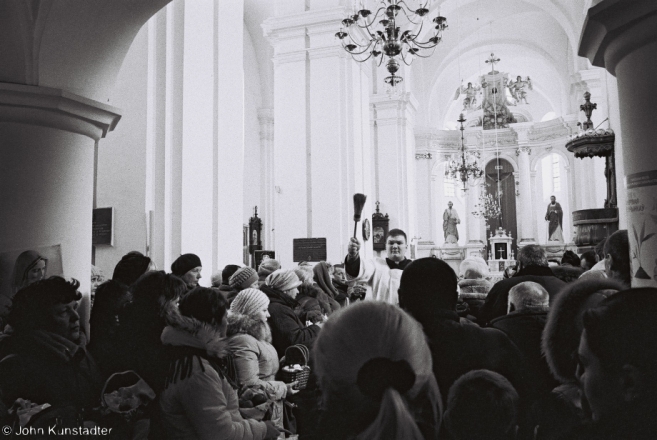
56, 108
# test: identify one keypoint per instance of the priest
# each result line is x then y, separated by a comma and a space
554, 215
382, 275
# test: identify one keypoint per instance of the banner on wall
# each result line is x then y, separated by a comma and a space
19, 260
642, 227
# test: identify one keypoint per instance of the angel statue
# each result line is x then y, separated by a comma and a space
470, 100
518, 89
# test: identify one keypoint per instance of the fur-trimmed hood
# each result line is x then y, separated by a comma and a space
244, 324
564, 323
184, 331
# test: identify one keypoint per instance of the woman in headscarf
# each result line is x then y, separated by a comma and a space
375, 371
249, 339
281, 287
322, 274
29, 268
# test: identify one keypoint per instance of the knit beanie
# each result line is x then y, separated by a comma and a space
283, 279
243, 278
133, 265
184, 264
228, 272
249, 302
267, 267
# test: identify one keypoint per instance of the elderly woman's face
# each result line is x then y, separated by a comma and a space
192, 276
37, 273
65, 321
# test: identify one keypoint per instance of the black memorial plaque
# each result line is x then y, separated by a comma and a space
309, 249
103, 226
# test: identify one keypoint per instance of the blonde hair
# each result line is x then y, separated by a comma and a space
305, 274
365, 332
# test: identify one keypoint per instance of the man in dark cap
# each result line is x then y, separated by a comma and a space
188, 268
428, 291
133, 265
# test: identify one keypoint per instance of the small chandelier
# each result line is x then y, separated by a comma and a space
375, 35
466, 166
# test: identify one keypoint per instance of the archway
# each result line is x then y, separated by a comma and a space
500, 183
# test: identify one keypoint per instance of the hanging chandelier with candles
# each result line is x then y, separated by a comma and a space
466, 166
393, 31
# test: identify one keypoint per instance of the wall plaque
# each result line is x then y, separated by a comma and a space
102, 231
308, 249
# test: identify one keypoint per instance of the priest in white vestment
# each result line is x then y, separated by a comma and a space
382, 275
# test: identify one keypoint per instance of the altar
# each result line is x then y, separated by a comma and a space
500, 254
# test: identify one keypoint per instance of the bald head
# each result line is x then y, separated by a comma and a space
528, 296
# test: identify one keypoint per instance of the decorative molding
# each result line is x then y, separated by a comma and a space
307, 19
523, 149
290, 57
423, 156
56, 108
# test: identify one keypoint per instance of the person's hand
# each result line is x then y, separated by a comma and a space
272, 431
291, 387
352, 248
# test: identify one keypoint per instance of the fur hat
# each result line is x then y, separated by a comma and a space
133, 265
184, 264
283, 279
268, 266
249, 302
564, 324
244, 277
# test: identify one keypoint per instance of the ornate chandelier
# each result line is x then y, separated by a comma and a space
466, 166
393, 30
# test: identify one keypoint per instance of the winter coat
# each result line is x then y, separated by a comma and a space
567, 273
256, 360
525, 328
228, 292
497, 299
286, 328
458, 346
198, 401
140, 329
564, 324
312, 304
44, 367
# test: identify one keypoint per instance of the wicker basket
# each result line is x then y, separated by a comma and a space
297, 354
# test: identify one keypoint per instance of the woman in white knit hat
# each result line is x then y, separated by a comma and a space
249, 339
281, 287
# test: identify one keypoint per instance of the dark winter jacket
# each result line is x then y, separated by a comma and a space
140, 329
459, 346
286, 327
567, 273
47, 368
525, 328
309, 307
497, 299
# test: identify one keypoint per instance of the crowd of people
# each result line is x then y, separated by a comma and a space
382, 348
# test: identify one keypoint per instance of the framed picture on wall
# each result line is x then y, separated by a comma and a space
261, 255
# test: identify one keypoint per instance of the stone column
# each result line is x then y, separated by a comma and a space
266, 119
475, 243
526, 231
321, 136
622, 37
48, 138
395, 149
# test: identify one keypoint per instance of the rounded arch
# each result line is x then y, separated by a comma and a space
488, 158
542, 152
440, 97
550, 7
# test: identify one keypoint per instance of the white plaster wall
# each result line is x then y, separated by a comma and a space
252, 161
121, 174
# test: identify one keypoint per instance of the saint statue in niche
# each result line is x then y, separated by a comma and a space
450, 220
554, 215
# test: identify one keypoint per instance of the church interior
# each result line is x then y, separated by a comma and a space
187, 116
233, 129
